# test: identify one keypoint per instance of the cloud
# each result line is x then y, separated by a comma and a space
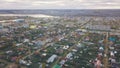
46, 2
60, 4
10, 0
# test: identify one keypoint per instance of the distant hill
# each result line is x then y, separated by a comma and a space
67, 12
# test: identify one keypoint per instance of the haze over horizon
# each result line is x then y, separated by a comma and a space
60, 4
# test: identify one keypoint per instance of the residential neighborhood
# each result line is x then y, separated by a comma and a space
59, 42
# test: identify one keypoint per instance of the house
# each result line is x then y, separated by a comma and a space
66, 47
52, 58
69, 55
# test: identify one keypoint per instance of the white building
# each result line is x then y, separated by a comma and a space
69, 55
52, 58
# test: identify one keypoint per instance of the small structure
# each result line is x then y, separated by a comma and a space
69, 55
52, 58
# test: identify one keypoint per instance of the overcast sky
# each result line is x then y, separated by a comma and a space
59, 4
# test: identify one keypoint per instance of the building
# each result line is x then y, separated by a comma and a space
52, 58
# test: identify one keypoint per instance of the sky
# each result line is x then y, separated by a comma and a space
59, 4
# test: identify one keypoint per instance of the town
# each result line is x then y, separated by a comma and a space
59, 42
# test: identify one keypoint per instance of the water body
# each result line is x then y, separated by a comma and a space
31, 15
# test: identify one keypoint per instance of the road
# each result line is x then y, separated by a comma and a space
70, 49
43, 47
105, 59
66, 52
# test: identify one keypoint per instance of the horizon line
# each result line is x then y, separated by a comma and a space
60, 9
